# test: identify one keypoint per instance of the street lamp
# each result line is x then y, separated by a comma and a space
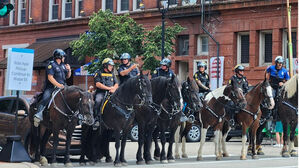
163, 8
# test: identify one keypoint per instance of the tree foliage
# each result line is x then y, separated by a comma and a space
111, 35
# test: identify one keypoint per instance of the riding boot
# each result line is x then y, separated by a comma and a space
183, 118
38, 117
96, 124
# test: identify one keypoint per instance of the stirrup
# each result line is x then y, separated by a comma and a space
36, 121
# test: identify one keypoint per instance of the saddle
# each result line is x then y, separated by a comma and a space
105, 101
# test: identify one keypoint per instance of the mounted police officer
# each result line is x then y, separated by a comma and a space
127, 69
105, 80
202, 79
164, 70
277, 76
241, 82
56, 74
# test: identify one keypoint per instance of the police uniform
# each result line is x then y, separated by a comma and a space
204, 79
277, 75
241, 83
106, 78
123, 67
59, 73
160, 72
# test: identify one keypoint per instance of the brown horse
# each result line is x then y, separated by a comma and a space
288, 113
249, 117
68, 107
213, 115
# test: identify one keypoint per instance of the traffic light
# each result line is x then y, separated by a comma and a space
5, 9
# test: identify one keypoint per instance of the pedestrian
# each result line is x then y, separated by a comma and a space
279, 134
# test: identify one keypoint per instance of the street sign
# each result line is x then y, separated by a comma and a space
213, 72
19, 69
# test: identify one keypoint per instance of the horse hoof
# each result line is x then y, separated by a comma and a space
164, 161
54, 165
117, 164
92, 163
218, 158
260, 153
108, 160
225, 155
149, 162
184, 156
43, 161
141, 162
199, 158
294, 153
243, 158
285, 154
177, 157
124, 163
171, 161
82, 164
255, 157
249, 153
69, 164
156, 158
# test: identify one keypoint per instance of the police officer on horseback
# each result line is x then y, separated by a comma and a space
241, 82
127, 69
105, 81
56, 74
277, 76
164, 70
202, 79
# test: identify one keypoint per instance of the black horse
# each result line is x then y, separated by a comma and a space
170, 102
192, 104
69, 107
118, 114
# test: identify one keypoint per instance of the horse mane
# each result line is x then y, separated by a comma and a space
215, 93
72, 88
157, 83
291, 86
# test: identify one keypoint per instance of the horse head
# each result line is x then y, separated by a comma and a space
236, 95
266, 90
144, 89
173, 94
190, 94
86, 107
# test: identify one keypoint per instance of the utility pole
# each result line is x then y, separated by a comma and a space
290, 44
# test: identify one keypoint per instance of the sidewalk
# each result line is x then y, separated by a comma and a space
18, 165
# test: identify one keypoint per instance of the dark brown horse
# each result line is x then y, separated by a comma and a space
213, 115
69, 106
249, 117
192, 104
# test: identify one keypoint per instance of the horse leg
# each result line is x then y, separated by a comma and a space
177, 143
254, 126
202, 142
117, 144
259, 139
46, 136
123, 146
244, 139
223, 141
163, 141
170, 158
249, 149
55, 144
106, 135
216, 141
36, 142
157, 153
67, 160
293, 152
141, 135
284, 151
83, 145
184, 154
148, 143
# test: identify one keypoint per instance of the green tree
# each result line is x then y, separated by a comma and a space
110, 35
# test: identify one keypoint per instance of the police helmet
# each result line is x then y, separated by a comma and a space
58, 54
279, 59
166, 62
125, 56
106, 62
239, 67
201, 64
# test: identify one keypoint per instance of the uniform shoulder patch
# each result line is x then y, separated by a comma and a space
230, 81
155, 71
96, 74
49, 66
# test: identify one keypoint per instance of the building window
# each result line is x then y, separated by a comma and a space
202, 45
66, 9
243, 48
122, 5
173, 2
79, 8
265, 48
12, 14
107, 4
136, 4
183, 45
53, 9
188, 2
22, 12
285, 42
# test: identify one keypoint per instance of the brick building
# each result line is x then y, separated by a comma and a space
251, 32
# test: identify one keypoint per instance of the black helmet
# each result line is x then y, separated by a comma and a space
166, 62
238, 68
201, 64
58, 54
